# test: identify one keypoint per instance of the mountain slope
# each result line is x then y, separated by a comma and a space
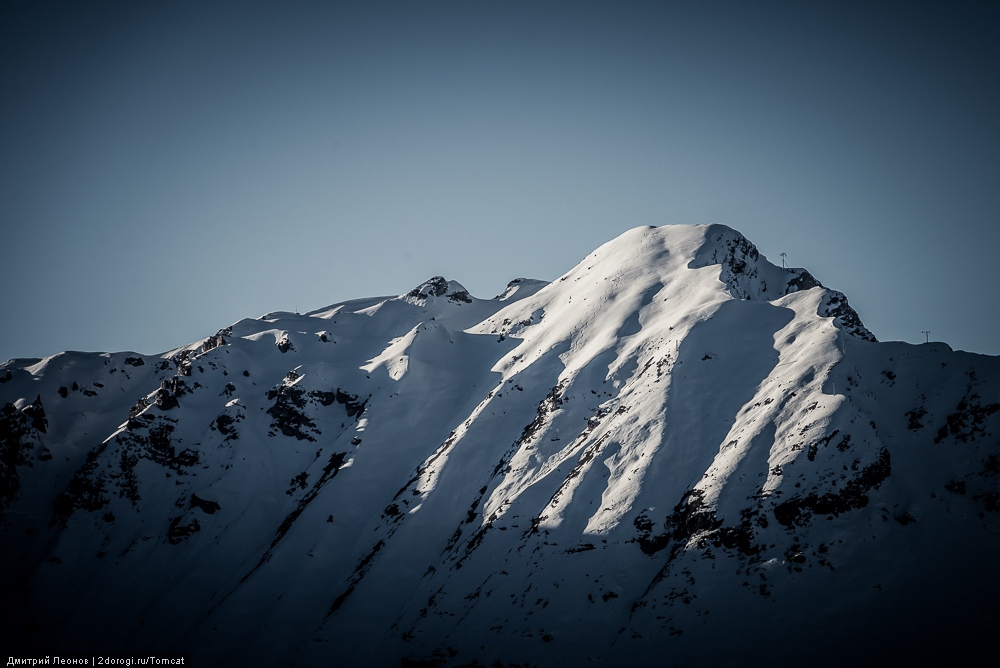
674, 443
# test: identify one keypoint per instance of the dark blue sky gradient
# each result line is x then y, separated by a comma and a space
166, 170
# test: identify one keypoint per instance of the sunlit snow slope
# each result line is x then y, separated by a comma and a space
677, 452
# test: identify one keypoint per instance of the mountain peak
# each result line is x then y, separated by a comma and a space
747, 274
692, 266
436, 287
672, 443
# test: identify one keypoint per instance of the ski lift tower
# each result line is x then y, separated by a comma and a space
784, 266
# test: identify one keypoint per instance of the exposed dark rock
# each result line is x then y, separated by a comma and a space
299, 481
794, 555
85, 491
990, 501
799, 510
552, 401
324, 398
170, 390
690, 518
164, 400
219, 339
140, 405
436, 287
288, 411
802, 280
739, 264
148, 437
36, 414
914, 418
956, 487
814, 447
160, 449
208, 507
350, 401
19, 431
226, 426
991, 466
182, 362
967, 422
177, 532
845, 317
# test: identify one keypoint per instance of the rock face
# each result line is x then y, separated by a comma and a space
676, 452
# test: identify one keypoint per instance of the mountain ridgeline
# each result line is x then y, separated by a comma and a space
676, 452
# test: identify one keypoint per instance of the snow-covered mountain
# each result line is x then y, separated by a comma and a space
675, 453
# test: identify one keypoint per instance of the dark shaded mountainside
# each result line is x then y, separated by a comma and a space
676, 452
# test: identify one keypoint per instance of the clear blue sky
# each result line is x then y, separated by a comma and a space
169, 168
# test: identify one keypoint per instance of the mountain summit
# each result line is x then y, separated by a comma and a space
677, 451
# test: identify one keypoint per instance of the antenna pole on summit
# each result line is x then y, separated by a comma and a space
783, 265
927, 335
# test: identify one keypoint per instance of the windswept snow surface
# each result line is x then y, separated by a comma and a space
676, 452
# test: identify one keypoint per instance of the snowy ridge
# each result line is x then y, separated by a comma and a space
674, 440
